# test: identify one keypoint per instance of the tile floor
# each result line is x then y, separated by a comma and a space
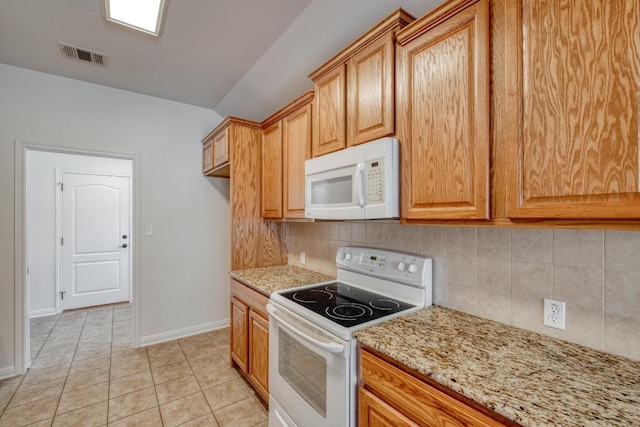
84, 372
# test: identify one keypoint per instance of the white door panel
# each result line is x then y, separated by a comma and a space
96, 239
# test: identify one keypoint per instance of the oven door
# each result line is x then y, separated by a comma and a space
309, 374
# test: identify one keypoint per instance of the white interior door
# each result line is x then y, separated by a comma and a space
96, 242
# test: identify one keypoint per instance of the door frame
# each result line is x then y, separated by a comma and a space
59, 175
21, 300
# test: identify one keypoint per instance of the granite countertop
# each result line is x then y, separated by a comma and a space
270, 279
529, 378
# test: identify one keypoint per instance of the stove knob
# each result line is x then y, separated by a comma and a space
412, 268
348, 257
402, 266
341, 255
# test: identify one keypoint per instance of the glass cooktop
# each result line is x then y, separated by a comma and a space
344, 304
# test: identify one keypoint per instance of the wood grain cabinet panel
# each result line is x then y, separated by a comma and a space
239, 334
572, 85
286, 144
370, 92
296, 148
249, 336
259, 353
395, 397
375, 412
221, 148
207, 156
272, 171
329, 120
355, 90
444, 113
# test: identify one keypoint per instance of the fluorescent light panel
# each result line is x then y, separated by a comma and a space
141, 15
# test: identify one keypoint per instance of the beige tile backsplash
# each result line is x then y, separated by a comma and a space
504, 274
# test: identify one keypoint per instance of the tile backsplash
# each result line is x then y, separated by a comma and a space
504, 274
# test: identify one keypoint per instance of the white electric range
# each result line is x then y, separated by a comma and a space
312, 352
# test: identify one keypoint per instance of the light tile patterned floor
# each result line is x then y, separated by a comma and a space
85, 373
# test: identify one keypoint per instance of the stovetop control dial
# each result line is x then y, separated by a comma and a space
402, 266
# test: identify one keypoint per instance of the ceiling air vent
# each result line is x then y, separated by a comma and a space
83, 55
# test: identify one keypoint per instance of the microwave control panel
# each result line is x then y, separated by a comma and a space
375, 181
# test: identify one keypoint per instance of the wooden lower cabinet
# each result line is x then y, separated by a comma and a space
249, 336
239, 334
390, 396
375, 412
259, 351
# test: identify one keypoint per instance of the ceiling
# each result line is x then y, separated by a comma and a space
205, 48
246, 58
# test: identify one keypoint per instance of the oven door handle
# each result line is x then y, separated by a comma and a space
281, 418
307, 335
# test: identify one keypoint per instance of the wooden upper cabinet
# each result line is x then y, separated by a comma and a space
296, 147
221, 148
371, 96
329, 123
286, 144
355, 100
272, 171
571, 133
443, 94
207, 156
218, 146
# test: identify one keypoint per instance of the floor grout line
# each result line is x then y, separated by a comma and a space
189, 351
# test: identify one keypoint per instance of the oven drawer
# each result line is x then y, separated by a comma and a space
415, 399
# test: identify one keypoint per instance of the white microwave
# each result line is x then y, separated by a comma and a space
360, 182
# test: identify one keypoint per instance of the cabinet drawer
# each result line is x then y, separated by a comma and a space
416, 399
252, 298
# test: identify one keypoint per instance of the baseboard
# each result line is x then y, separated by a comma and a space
8, 372
42, 312
183, 333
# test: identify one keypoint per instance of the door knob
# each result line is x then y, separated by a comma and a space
124, 245
124, 236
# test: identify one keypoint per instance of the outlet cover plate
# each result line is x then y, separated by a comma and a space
554, 314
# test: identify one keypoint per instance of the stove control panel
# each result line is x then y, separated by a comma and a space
389, 265
374, 261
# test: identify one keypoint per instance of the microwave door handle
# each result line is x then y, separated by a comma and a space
331, 347
360, 183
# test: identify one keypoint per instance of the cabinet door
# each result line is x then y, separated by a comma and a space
296, 145
259, 353
444, 120
272, 171
370, 92
221, 148
374, 412
329, 119
239, 334
207, 156
572, 85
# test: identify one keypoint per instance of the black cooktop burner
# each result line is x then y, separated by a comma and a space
344, 304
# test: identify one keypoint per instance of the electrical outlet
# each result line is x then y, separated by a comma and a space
303, 257
554, 313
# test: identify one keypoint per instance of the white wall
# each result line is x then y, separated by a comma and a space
184, 264
41, 217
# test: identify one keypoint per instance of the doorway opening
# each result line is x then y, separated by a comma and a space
76, 245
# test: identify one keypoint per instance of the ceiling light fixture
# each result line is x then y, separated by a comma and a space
142, 15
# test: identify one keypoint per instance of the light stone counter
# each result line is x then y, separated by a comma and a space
529, 378
271, 279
